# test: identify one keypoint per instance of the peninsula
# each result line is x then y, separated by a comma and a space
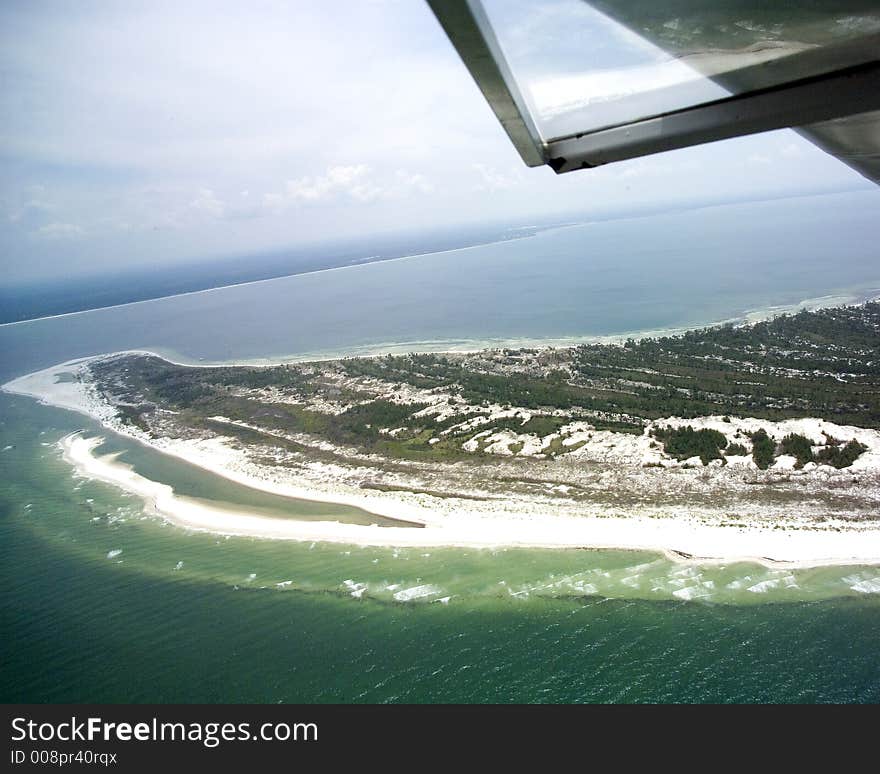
758, 441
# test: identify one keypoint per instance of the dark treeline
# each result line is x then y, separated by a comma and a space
823, 364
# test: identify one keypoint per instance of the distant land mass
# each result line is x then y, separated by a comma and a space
33, 300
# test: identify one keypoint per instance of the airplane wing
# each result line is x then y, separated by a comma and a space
579, 83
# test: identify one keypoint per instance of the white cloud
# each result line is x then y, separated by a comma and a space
32, 203
207, 203
407, 182
493, 180
337, 180
59, 231
356, 182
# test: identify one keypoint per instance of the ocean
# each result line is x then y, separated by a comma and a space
102, 603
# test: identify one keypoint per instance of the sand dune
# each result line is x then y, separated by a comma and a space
446, 523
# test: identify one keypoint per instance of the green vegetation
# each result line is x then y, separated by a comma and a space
824, 364
841, 457
685, 442
478, 388
133, 415
821, 363
763, 449
536, 425
798, 446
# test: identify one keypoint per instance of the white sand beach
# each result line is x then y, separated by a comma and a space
447, 521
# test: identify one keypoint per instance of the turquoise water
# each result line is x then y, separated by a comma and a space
176, 616
99, 602
80, 624
198, 485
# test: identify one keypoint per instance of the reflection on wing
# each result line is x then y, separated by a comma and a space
855, 140
577, 84
801, 41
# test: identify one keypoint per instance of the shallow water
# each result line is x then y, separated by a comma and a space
195, 484
103, 603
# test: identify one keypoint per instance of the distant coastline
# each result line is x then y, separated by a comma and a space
334, 264
36, 301
465, 345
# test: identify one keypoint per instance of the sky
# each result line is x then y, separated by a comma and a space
157, 133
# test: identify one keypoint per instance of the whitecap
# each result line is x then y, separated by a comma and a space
867, 586
355, 589
416, 592
636, 568
764, 586
114, 553
690, 592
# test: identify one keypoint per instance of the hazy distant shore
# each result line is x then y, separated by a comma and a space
194, 288
466, 345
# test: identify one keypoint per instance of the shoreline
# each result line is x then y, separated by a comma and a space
681, 539
631, 534
358, 264
532, 230
470, 346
